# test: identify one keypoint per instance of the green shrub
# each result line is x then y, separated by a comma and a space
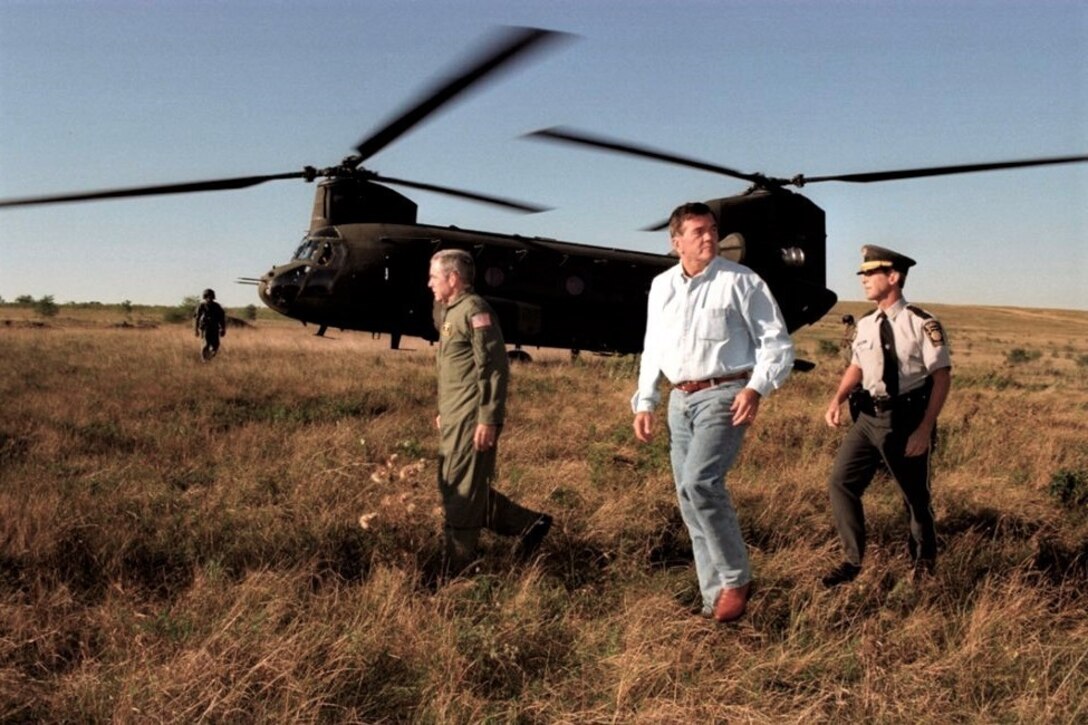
46, 307
184, 311
1070, 487
177, 314
1019, 355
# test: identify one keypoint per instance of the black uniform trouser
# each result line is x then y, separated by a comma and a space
469, 501
877, 437
211, 342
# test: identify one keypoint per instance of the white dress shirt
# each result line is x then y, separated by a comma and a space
920, 348
719, 322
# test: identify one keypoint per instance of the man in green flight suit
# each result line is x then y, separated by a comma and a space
473, 372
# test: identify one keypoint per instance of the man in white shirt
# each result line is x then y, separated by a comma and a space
715, 332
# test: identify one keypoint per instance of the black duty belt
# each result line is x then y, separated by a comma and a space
694, 386
885, 404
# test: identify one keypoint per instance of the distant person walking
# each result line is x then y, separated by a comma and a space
897, 383
849, 331
209, 322
473, 373
716, 333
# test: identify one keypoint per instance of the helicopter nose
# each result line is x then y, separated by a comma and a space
283, 288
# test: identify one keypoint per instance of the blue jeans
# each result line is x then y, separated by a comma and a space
704, 445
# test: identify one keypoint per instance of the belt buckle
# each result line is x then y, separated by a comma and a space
694, 386
884, 404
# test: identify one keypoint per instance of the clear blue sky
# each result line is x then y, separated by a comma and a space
104, 94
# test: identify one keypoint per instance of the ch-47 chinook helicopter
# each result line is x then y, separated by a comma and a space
362, 264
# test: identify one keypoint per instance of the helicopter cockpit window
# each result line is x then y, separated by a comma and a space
319, 251
305, 249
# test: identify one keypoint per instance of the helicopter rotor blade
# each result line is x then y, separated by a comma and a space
566, 135
238, 182
513, 44
462, 194
938, 170
872, 176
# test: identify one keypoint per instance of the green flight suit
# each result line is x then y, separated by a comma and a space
473, 372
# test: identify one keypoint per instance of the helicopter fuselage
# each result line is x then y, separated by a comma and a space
547, 293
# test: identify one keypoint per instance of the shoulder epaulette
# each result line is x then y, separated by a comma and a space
920, 312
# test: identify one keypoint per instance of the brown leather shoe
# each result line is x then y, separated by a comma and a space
731, 603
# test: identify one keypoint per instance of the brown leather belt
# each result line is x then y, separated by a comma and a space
694, 386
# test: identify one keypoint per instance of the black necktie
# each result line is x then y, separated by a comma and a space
891, 364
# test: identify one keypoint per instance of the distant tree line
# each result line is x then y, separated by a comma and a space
46, 306
184, 311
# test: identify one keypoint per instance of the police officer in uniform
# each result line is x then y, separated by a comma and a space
897, 382
210, 322
473, 372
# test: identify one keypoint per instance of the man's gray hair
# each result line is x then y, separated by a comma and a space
684, 212
456, 260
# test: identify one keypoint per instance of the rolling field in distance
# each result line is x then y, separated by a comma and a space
257, 539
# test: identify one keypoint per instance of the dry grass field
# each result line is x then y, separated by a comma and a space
256, 539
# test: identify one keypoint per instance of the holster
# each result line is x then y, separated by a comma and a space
859, 400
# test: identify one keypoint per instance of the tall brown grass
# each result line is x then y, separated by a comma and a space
257, 539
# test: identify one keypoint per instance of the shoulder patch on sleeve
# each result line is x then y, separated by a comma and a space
481, 319
934, 331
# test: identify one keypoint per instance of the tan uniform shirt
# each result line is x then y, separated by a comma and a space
473, 370
920, 348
